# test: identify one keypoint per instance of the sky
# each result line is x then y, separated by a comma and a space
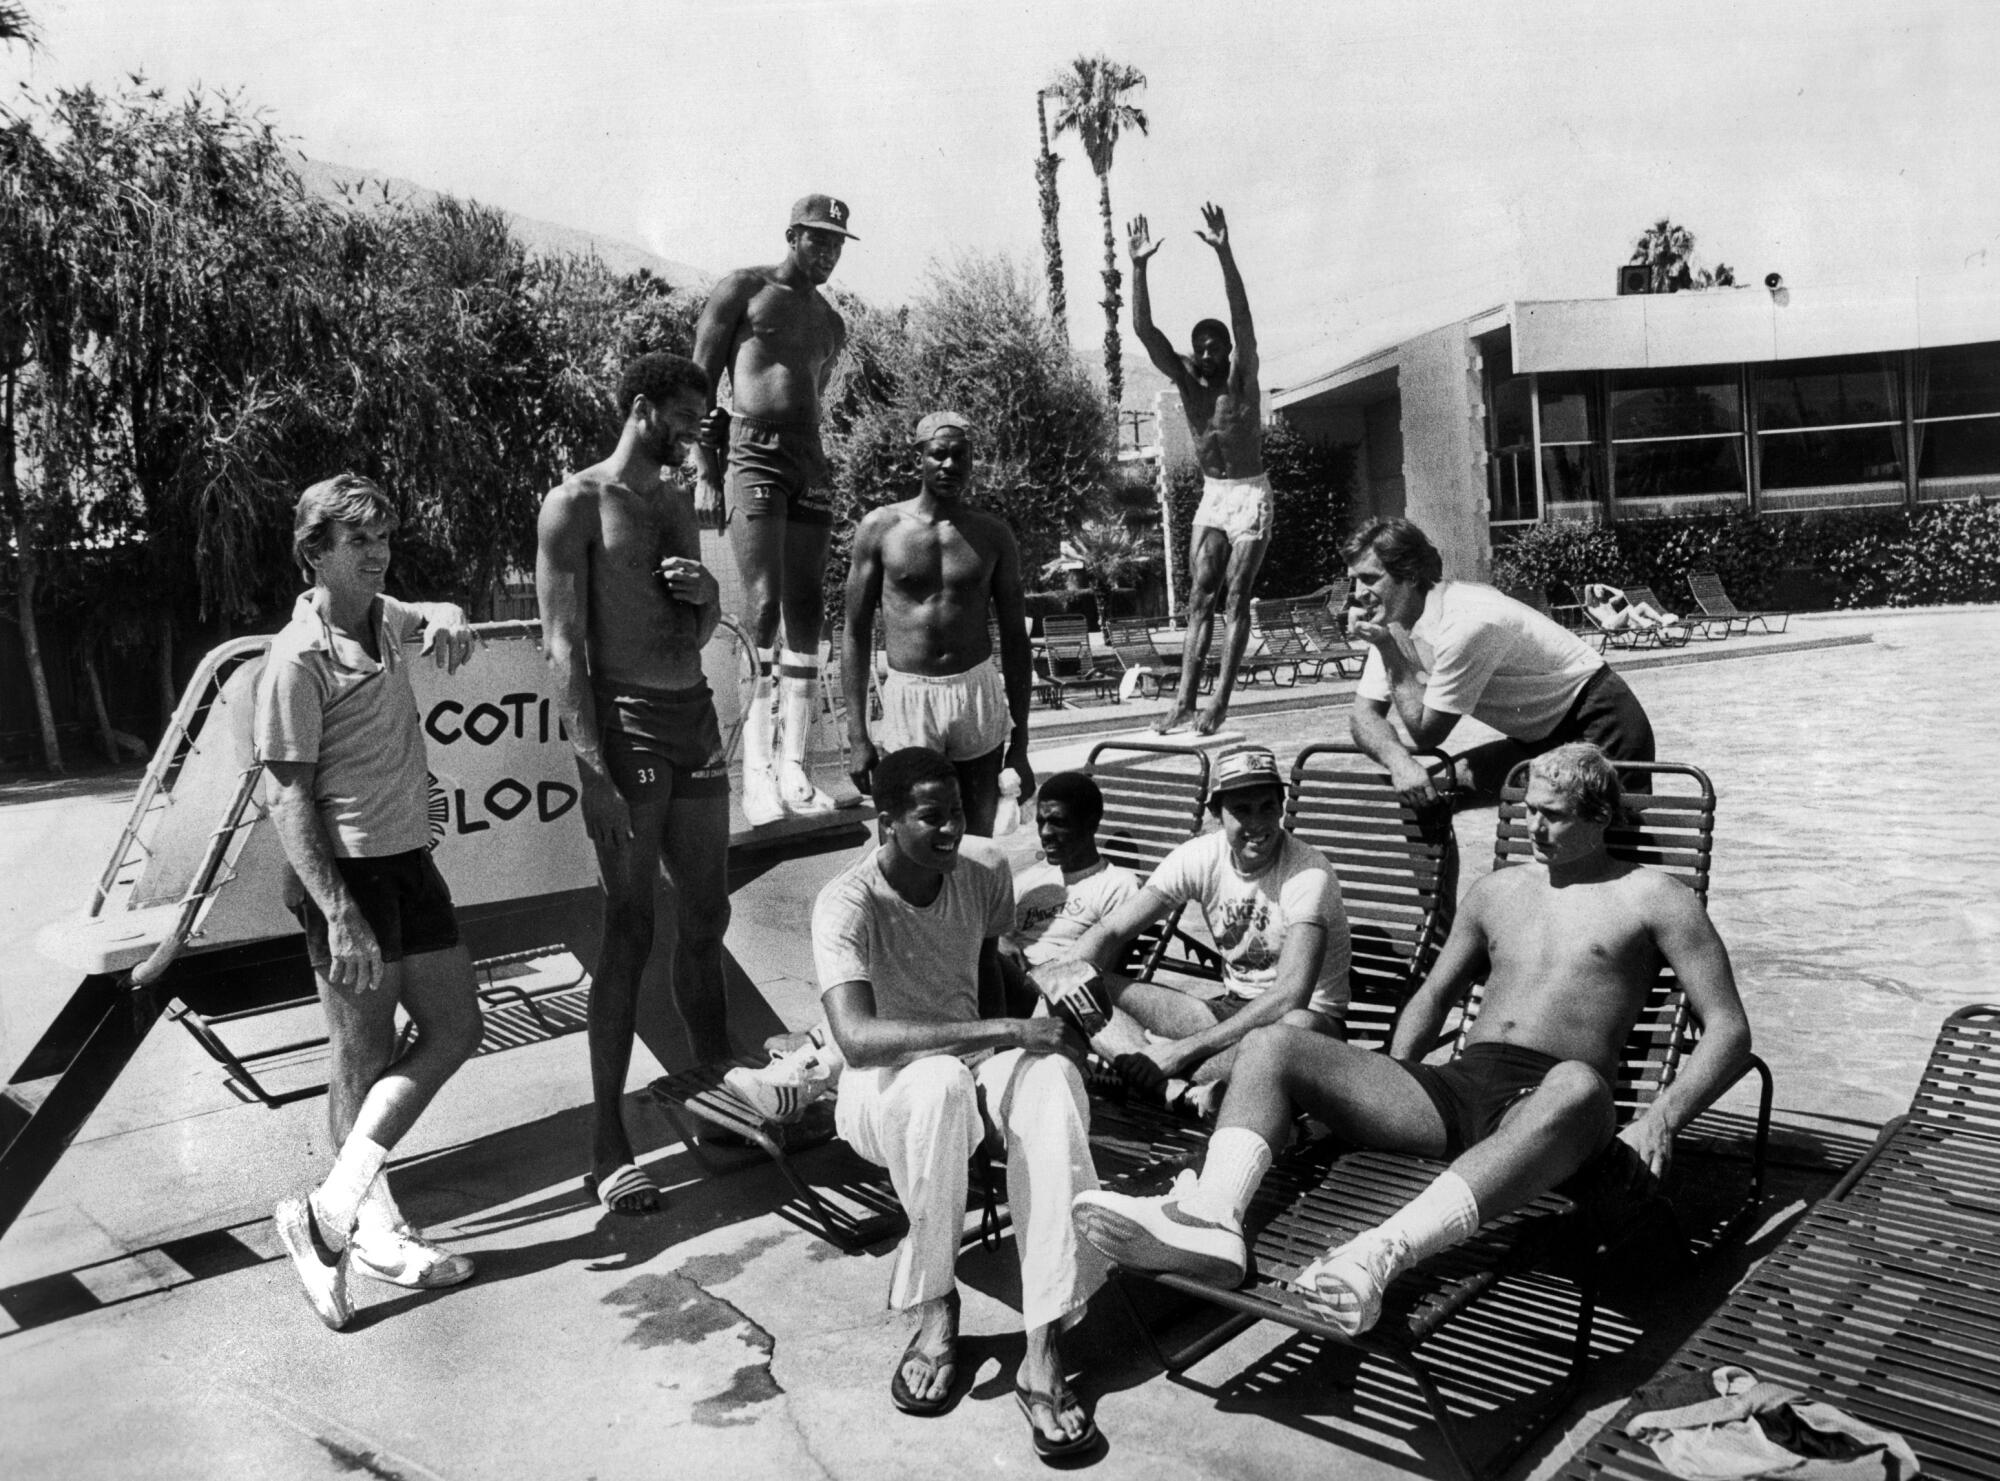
1386, 165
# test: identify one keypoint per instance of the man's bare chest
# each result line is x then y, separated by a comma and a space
921, 562
637, 532
785, 326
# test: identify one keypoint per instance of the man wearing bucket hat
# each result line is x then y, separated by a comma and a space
778, 338
1272, 904
930, 567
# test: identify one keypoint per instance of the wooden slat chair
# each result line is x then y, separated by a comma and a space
1322, 632
1067, 662
1706, 587
1305, 1207
1273, 624
1132, 642
1885, 1299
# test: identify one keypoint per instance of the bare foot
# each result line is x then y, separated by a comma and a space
930, 1362
1044, 1394
1211, 720
1178, 718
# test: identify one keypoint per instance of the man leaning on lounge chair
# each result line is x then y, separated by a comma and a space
1569, 946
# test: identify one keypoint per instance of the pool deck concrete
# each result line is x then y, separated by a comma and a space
148, 1328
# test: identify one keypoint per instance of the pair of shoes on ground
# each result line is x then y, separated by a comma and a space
399, 1256
1158, 1235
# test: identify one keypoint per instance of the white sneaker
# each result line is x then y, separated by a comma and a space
1345, 1285
403, 1257
781, 1090
798, 794
321, 1270
1158, 1235
761, 802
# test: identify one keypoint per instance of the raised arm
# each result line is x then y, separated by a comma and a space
1215, 231
563, 537
857, 647
714, 337
1688, 941
1159, 349
1017, 663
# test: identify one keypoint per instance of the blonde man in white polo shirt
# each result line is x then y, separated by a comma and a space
1441, 650
337, 729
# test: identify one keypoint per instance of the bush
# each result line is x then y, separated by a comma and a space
1867, 557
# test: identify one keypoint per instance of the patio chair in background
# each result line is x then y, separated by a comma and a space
1278, 634
1694, 622
1633, 634
1883, 1299
1132, 641
1322, 632
1067, 662
1715, 602
1311, 1200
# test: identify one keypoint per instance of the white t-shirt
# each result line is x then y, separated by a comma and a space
921, 961
1483, 654
1248, 917
1053, 909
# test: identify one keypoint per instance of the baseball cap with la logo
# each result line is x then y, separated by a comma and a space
823, 212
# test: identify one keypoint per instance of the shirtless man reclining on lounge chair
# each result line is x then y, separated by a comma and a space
1568, 946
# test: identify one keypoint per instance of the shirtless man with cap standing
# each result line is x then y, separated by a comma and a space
1232, 526
778, 338
932, 565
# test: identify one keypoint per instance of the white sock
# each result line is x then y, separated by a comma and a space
1236, 1163
338, 1199
379, 1213
1436, 1219
759, 721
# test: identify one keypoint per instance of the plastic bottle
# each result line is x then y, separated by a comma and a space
1008, 818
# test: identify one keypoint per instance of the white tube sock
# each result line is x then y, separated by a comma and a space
1236, 1163
760, 720
1436, 1219
337, 1201
378, 1212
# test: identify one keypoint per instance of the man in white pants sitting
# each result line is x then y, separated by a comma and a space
905, 943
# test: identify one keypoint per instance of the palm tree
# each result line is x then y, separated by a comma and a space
1666, 251
1092, 94
16, 26
1045, 182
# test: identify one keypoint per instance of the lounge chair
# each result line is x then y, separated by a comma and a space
1067, 662
1132, 642
1715, 602
1709, 627
1312, 1200
1884, 1300
1631, 634
1280, 638
1323, 634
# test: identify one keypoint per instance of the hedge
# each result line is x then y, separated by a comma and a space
1919, 557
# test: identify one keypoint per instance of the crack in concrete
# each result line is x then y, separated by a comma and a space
677, 1308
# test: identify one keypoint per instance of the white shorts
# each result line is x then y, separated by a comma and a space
1239, 507
964, 716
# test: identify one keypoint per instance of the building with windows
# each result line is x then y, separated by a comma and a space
1775, 400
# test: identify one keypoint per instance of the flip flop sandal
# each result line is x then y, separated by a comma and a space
899, 1391
625, 1182
1050, 1399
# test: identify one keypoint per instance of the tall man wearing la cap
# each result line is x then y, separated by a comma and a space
929, 568
1273, 908
778, 337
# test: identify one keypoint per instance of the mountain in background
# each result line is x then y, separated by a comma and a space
544, 238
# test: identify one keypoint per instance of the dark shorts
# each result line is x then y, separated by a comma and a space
1476, 1089
778, 468
402, 897
663, 745
1605, 712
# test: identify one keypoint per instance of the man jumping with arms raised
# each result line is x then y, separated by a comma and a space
774, 333
1569, 946
626, 606
1232, 527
